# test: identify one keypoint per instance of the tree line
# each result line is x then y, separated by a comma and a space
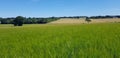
103, 17
92, 17
34, 20
30, 20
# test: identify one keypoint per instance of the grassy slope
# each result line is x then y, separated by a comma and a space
60, 41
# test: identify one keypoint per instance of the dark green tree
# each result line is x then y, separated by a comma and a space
88, 19
18, 21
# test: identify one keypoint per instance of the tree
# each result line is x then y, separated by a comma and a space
42, 21
88, 19
18, 21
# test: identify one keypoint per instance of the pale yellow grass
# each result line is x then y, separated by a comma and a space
105, 20
82, 21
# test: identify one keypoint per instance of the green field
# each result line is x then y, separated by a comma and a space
100, 40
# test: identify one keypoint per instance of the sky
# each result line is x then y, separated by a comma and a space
49, 8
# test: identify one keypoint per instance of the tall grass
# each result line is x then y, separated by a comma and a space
60, 41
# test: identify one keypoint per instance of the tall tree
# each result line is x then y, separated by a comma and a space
18, 21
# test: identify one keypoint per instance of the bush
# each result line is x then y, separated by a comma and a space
88, 19
18, 21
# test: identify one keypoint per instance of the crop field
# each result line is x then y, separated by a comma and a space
82, 21
99, 40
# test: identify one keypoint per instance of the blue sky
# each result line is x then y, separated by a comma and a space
46, 8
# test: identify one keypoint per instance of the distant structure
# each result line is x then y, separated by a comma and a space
88, 19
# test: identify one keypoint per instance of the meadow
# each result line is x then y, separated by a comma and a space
99, 40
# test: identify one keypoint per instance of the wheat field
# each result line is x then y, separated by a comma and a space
82, 21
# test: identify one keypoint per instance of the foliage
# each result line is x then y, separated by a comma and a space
103, 17
34, 20
29, 20
88, 19
18, 21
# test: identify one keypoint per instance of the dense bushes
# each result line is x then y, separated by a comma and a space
27, 20
103, 17
34, 20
